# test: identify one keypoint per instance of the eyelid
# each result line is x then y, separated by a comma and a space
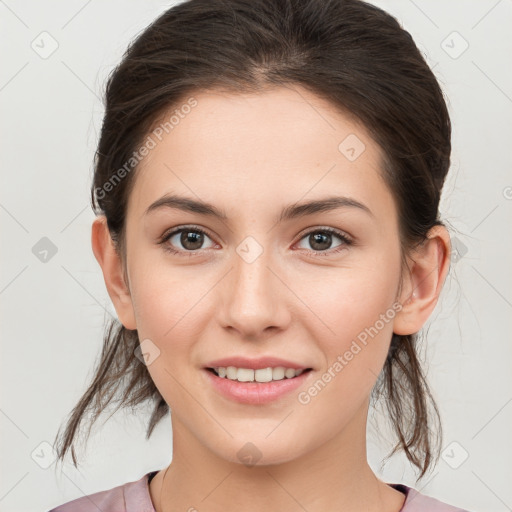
339, 232
177, 229
162, 240
347, 240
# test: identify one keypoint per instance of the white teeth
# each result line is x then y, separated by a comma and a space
278, 373
289, 373
263, 375
260, 375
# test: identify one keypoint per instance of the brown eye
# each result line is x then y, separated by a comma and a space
321, 240
185, 240
191, 240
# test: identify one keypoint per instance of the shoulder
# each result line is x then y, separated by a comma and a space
415, 501
129, 497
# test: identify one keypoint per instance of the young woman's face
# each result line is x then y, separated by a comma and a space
256, 284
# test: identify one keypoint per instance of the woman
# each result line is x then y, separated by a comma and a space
267, 185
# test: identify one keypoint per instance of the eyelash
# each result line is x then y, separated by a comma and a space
347, 241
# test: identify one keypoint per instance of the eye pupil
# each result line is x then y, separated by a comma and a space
191, 236
319, 238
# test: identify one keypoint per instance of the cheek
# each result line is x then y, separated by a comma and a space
158, 305
169, 306
163, 296
360, 316
354, 307
165, 312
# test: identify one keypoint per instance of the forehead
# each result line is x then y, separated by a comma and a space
281, 143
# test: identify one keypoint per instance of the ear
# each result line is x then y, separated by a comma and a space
113, 274
422, 283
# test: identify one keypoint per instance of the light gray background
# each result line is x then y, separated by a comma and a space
53, 312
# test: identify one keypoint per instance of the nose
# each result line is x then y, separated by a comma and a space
254, 296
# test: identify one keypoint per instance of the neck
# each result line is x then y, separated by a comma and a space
333, 476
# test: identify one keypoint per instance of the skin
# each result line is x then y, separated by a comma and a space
252, 155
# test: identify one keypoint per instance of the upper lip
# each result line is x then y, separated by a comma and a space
255, 364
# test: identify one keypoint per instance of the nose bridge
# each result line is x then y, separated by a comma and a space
254, 300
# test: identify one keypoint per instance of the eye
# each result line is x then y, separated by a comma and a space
191, 239
321, 240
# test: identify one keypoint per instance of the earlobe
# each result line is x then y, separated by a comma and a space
428, 267
112, 268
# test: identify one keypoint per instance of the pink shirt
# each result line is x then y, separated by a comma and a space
135, 497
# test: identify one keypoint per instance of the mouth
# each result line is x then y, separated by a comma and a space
256, 387
261, 375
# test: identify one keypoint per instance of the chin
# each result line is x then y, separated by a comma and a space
258, 453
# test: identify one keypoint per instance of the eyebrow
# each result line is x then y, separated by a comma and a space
291, 211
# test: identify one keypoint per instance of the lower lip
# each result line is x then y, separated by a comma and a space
255, 392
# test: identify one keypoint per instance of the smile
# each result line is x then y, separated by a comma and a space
251, 391
260, 375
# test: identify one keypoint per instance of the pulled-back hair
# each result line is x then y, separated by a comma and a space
354, 55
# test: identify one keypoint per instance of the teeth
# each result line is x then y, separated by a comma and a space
260, 375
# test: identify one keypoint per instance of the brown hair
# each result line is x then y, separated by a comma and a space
348, 52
